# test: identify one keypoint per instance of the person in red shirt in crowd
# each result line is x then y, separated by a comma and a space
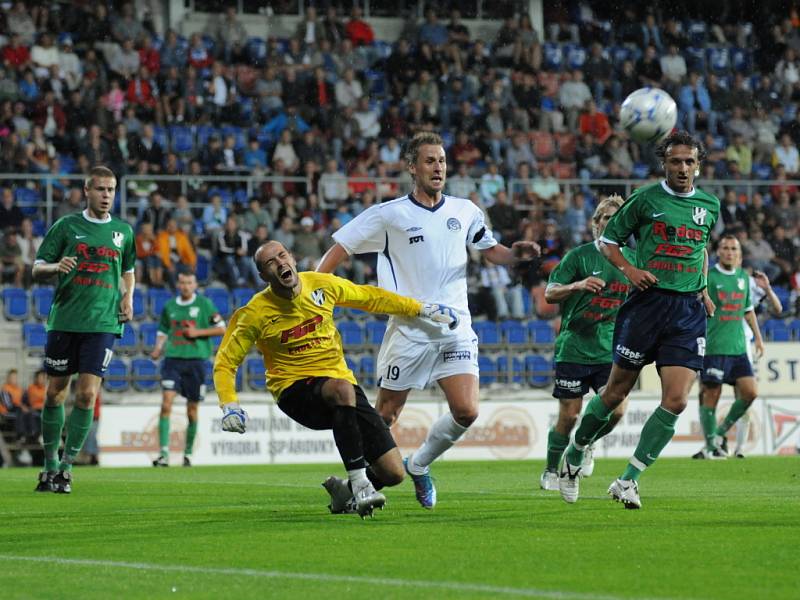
464, 151
142, 96
781, 185
149, 56
357, 30
16, 55
594, 122
199, 56
46, 109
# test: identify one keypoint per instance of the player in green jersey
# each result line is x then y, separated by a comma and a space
590, 291
663, 319
187, 325
726, 359
89, 252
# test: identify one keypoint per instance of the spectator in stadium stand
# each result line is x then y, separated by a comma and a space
126, 26
16, 55
9, 91
142, 95
618, 152
595, 122
766, 131
13, 269
505, 218
231, 255
33, 400
695, 105
432, 30
148, 260
176, 252
255, 216
544, 186
319, 96
172, 53
572, 97
11, 398
44, 55
10, 214
784, 211
307, 248
457, 32
254, 156
229, 33
740, 152
785, 252
400, 69
786, 154
759, 254
284, 150
123, 61
156, 213
368, 119
232, 160
491, 182
648, 68
199, 56
29, 244
285, 232
19, 23
310, 147
461, 184
731, 213
348, 90
358, 31
332, 27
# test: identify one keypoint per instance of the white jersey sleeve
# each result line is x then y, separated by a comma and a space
365, 233
479, 236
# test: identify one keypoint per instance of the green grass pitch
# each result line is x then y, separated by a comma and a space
707, 530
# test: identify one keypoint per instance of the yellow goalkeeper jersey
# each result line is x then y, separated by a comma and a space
298, 337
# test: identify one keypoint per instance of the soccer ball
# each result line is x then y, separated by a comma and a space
648, 114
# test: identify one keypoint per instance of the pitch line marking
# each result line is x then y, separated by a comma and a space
323, 577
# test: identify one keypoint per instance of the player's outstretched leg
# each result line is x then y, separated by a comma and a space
556, 444
52, 426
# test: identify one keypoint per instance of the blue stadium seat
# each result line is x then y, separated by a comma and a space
241, 296
553, 56
619, 54
139, 308
145, 375
794, 329
576, 56
239, 134
240, 196
741, 59
351, 332
514, 332
777, 330
182, 139
697, 32
210, 377
35, 337
15, 304
203, 133
527, 301
487, 332
538, 369
28, 200
42, 298
540, 332
39, 227
719, 60
367, 368
117, 376
161, 135
147, 335
203, 268
156, 299
221, 299
375, 331
351, 363
255, 374
784, 295
256, 49
129, 342
695, 58
488, 369
517, 374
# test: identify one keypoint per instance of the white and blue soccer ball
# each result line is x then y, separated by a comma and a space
648, 115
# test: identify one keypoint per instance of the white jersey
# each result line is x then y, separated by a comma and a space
422, 253
756, 296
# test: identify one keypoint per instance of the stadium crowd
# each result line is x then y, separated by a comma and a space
325, 112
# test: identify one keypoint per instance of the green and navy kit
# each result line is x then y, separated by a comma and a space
177, 315
87, 298
730, 291
587, 319
671, 231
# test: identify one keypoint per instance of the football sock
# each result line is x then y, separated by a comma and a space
358, 478
191, 432
556, 444
347, 436
594, 417
708, 421
374, 479
607, 428
52, 426
80, 421
742, 431
163, 436
443, 434
656, 434
738, 408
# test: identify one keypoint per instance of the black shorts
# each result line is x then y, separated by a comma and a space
303, 402
573, 380
70, 352
719, 369
662, 326
186, 376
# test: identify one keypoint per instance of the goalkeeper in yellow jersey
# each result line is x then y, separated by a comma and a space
291, 323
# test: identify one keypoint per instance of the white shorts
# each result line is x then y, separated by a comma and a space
405, 364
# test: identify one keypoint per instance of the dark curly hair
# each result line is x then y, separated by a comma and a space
681, 138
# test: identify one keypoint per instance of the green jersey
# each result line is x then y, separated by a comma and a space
671, 232
197, 312
87, 298
587, 319
730, 291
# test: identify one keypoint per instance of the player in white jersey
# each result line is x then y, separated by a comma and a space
422, 241
760, 289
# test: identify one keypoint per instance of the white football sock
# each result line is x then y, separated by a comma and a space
742, 429
358, 479
443, 434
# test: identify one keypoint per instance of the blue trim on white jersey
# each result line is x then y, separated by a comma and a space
389, 259
438, 205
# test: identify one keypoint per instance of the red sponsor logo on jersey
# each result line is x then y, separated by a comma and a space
93, 267
617, 287
88, 252
668, 232
602, 302
676, 250
301, 330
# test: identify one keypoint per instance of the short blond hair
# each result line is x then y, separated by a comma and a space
613, 201
98, 172
422, 138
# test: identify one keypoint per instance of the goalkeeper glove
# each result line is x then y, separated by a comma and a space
234, 418
440, 313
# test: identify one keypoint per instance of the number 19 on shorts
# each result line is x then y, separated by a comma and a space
392, 372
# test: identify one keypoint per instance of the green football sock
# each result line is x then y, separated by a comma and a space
656, 434
191, 431
52, 426
708, 420
163, 436
607, 428
738, 408
594, 417
556, 444
80, 421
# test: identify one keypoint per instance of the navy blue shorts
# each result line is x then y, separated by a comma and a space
719, 369
662, 326
70, 352
186, 376
303, 403
573, 380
